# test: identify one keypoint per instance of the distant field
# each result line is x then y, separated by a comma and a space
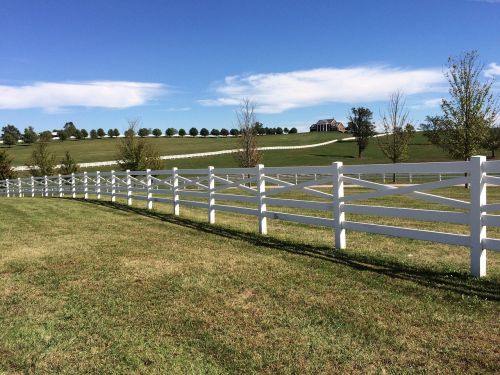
105, 149
130, 291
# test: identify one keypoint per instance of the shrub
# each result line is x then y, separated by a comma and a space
135, 153
68, 164
42, 162
157, 132
6, 169
182, 132
193, 132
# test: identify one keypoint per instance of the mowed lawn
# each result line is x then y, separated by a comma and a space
90, 287
92, 150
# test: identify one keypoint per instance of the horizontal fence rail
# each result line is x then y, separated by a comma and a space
249, 191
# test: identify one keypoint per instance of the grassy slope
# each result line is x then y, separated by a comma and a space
174, 294
105, 149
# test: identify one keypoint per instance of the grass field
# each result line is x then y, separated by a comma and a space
132, 291
105, 149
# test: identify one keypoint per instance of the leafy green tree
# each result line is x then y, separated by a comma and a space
46, 136
468, 114
9, 139
293, 131
116, 132
93, 134
136, 153
78, 134
6, 169
68, 164
171, 132
204, 132
111, 133
215, 132
101, 133
42, 161
362, 127
70, 129
193, 132
234, 132
224, 132
279, 130
143, 132
492, 141
85, 133
62, 134
157, 132
182, 132
286, 130
30, 136
398, 131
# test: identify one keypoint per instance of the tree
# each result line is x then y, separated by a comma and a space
468, 114
398, 131
224, 132
85, 133
9, 139
234, 132
182, 132
42, 161
293, 131
93, 134
70, 129
6, 169
157, 132
143, 132
362, 127
136, 153
68, 164
116, 132
30, 136
62, 134
286, 131
111, 133
262, 131
79, 134
204, 132
492, 141
249, 155
46, 136
279, 130
193, 132
101, 133
171, 132
215, 132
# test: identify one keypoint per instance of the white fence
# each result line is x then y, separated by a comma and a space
257, 189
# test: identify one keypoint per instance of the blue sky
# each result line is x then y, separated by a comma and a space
188, 63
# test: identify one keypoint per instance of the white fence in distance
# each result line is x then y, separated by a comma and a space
210, 188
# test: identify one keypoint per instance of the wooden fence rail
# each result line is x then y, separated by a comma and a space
257, 188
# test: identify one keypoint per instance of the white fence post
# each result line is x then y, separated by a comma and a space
261, 188
32, 186
175, 190
149, 192
59, 185
113, 187
73, 187
211, 199
410, 177
46, 186
98, 184
383, 178
85, 186
477, 229
338, 212
19, 188
7, 187
129, 189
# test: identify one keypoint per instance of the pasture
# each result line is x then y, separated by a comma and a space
92, 286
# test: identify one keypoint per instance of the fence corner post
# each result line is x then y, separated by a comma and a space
73, 187
175, 190
149, 191
261, 188
85, 186
113, 187
477, 229
98, 185
129, 188
338, 211
211, 198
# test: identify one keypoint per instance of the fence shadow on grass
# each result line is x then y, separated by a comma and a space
456, 282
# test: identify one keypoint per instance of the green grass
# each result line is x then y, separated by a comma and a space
105, 149
132, 291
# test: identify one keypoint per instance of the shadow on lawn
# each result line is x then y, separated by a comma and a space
455, 282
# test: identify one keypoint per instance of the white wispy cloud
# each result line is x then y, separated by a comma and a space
56, 96
492, 70
278, 92
429, 103
178, 109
